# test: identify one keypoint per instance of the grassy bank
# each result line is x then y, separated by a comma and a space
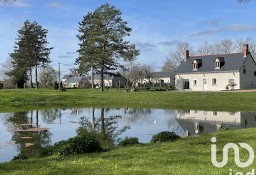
183, 157
13, 100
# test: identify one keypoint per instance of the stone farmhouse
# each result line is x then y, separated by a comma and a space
217, 72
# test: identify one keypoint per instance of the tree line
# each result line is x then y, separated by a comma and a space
102, 47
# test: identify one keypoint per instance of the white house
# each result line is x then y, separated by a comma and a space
217, 72
196, 122
160, 78
115, 80
69, 81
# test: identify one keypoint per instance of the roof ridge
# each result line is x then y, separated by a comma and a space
216, 54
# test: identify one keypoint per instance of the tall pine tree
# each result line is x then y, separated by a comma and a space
30, 50
102, 43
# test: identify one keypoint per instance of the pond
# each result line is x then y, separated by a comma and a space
27, 132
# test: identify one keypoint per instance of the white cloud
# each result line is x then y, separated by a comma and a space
20, 3
233, 27
55, 5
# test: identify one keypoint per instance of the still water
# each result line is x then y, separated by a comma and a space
26, 132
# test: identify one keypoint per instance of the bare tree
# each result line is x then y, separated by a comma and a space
206, 49
169, 66
243, 1
223, 46
176, 57
251, 42
7, 1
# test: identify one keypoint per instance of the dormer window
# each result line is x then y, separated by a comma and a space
219, 62
196, 64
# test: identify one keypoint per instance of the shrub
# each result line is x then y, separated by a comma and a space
164, 136
46, 151
129, 141
20, 157
79, 145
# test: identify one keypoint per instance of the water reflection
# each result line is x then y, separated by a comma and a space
196, 122
26, 132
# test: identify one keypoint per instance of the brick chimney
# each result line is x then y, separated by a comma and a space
245, 50
186, 55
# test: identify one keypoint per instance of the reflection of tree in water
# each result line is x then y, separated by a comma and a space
30, 142
77, 111
50, 115
104, 128
133, 114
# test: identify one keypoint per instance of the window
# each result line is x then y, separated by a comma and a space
214, 81
217, 64
244, 69
195, 65
254, 73
215, 113
195, 82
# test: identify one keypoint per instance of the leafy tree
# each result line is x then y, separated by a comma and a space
102, 42
30, 50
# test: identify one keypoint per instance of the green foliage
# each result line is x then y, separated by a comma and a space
20, 157
164, 136
30, 51
76, 145
101, 36
129, 141
224, 128
80, 145
46, 151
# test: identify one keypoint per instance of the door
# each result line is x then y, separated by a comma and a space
205, 86
186, 84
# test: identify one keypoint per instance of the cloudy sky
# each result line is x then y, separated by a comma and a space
157, 24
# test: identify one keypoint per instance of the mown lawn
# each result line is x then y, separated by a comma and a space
20, 99
184, 157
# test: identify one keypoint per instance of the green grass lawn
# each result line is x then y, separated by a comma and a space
20, 99
184, 157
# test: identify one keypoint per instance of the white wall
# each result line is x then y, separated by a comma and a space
221, 83
223, 117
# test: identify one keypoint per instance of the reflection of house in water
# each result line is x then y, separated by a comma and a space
197, 122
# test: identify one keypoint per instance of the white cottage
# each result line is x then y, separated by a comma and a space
217, 72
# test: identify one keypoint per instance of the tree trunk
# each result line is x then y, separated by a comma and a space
92, 78
37, 118
93, 118
102, 78
31, 82
36, 77
102, 118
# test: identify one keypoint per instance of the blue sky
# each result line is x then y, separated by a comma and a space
157, 24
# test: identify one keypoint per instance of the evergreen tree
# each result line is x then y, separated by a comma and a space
30, 50
102, 42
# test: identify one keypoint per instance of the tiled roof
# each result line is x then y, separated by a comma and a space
233, 62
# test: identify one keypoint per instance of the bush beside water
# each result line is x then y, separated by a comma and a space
128, 141
75, 145
164, 136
